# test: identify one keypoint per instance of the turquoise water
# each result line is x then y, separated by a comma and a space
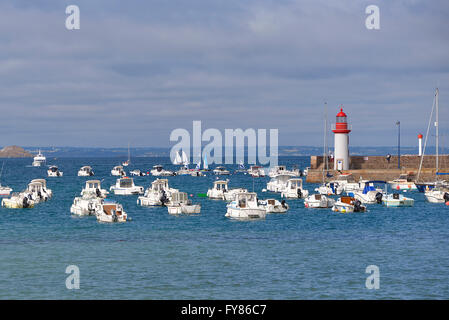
304, 254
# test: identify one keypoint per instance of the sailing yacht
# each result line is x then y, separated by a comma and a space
4, 190
127, 162
435, 192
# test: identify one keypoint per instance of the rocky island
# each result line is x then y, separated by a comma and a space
14, 152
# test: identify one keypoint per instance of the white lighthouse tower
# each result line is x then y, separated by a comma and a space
341, 142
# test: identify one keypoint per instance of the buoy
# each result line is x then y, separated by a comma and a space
397, 188
447, 203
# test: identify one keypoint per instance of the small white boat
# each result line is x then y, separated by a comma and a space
85, 171
118, 171
245, 206
21, 200
184, 170
347, 204
181, 204
402, 183
256, 171
397, 200
197, 173
294, 189
39, 160
5, 191
282, 170
127, 162
330, 188
159, 171
137, 172
437, 195
112, 212
278, 183
158, 194
220, 191
125, 186
53, 171
87, 205
94, 187
221, 171
369, 194
318, 201
46, 191
37, 191
274, 206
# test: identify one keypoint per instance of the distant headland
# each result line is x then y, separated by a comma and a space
14, 152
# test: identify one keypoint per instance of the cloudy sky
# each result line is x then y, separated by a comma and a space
138, 69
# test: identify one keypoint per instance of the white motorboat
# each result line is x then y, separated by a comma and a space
20, 200
274, 206
437, 195
282, 170
347, 204
181, 204
137, 172
53, 171
39, 160
397, 200
220, 191
402, 183
87, 205
330, 188
94, 187
158, 194
184, 170
369, 194
47, 192
256, 171
37, 191
318, 201
345, 182
118, 171
125, 186
278, 183
197, 173
245, 206
112, 212
294, 189
221, 171
159, 171
85, 171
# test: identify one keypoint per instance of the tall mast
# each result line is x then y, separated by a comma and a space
325, 164
436, 129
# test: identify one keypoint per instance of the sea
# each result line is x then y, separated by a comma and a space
302, 254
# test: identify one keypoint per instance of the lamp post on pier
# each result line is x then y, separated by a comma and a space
398, 123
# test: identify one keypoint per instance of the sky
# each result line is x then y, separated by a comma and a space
136, 70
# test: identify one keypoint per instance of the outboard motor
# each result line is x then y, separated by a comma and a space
357, 206
25, 203
39, 194
283, 204
91, 173
98, 193
379, 198
163, 198
114, 216
446, 197
299, 192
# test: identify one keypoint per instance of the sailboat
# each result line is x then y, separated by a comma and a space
185, 164
127, 162
178, 160
4, 191
326, 188
438, 191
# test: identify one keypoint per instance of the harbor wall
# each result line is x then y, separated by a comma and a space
378, 168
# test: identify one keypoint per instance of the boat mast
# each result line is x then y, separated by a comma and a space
436, 132
129, 155
325, 164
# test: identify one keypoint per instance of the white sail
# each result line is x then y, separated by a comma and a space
185, 160
178, 159
205, 165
